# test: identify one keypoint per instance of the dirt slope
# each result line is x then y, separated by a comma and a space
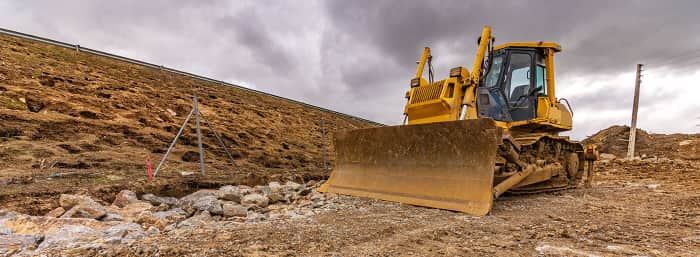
64, 111
614, 140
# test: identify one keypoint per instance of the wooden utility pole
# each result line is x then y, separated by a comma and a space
635, 107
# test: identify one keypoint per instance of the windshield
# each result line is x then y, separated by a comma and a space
494, 72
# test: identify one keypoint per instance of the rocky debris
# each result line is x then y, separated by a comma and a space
82, 226
125, 197
36, 235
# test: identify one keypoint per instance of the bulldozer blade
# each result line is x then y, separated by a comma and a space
446, 165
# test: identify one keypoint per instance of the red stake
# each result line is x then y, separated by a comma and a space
148, 167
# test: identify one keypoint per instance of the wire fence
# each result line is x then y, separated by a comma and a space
162, 67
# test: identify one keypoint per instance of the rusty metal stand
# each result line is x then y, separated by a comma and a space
197, 114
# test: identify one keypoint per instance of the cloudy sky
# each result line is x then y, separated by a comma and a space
358, 56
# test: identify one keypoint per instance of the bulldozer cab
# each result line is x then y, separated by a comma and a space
515, 79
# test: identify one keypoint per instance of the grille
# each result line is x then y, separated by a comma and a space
427, 93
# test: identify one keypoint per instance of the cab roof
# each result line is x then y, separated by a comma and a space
552, 45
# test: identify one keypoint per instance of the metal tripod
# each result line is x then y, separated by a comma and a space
197, 114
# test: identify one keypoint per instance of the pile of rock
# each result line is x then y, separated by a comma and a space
83, 221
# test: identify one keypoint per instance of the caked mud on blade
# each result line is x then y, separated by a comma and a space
447, 165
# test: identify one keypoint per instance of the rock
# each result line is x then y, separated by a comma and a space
153, 231
208, 203
70, 236
293, 186
147, 219
127, 233
234, 210
304, 191
158, 200
275, 186
88, 209
264, 190
171, 112
161, 219
5, 231
255, 200
607, 156
318, 204
254, 217
304, 203
653, 186
316, 196
68, 201
125, 197
193, 197
275, 197
201, 219
131, 211
112, 217
311, 183
56, 212
230, 193
171, 216
11, 244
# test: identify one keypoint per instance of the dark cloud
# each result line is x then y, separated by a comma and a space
358, 56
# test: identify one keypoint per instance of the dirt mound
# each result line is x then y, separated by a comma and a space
63, 111
614, 140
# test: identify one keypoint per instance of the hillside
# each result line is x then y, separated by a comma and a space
68, 112
614, 140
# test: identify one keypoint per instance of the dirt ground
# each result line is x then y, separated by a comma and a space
640, 208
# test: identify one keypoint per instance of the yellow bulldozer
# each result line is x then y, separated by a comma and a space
469, 138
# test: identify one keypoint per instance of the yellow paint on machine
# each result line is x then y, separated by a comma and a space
454, 171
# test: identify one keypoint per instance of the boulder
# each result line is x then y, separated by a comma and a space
254, 199
230, 193
147, 219
158, 200
56, 212
125, 197
68, 201
80, 206
131, 211
234, 210
161, 219
127, 233
208, 203
171, 216
70, 236
194, 197
201, 219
